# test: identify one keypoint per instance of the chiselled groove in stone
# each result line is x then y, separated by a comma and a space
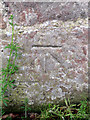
55, 58
45, 64
53, 46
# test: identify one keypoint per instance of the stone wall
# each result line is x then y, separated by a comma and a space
53, 58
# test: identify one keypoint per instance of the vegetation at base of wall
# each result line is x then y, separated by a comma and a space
68, 112
54, 112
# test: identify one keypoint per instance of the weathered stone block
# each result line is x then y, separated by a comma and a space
54, 54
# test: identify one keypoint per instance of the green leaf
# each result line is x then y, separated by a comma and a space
8, 46
3, 113
68, 114
16, 68
11, 23
11, 17
14, 85
13, 54
4, 81
66, 102
3, 70
5, 86
10, 86
29, 108
73, 105
12, 81
22, 106
15, 24
4, 102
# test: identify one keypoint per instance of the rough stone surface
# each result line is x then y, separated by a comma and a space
2, 23
29, 13
54, 55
